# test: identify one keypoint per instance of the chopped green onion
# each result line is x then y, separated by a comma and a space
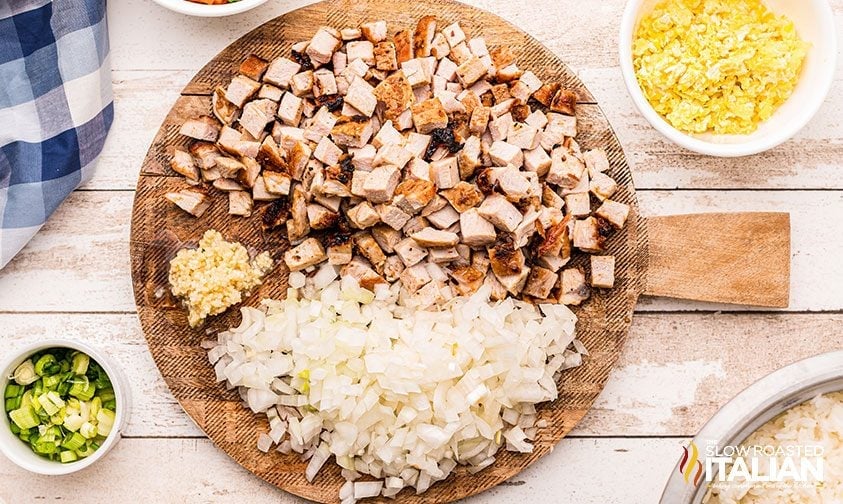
51, 382
88, 430
25, 373
80, 364
50, 408
105, 421
45, 447
12, 390
82, 389
87, 451
12, 403
74, 441
24, 418
73, 422
46, 364
68, 456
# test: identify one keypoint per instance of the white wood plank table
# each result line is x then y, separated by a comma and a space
682, 361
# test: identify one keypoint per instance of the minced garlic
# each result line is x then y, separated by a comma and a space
215, 275
720, 66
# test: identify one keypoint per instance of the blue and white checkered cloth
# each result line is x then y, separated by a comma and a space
55, 108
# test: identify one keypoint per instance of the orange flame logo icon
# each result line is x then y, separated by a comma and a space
690, 464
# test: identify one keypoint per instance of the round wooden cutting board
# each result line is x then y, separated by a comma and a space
159, 228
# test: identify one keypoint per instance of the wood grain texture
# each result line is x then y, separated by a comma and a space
195, 471
740, 258
159, 229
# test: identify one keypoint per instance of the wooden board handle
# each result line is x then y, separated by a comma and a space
737, 258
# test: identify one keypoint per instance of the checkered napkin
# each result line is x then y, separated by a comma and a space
55, 108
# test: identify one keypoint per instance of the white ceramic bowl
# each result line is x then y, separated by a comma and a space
202, 10
20, 453
814, 21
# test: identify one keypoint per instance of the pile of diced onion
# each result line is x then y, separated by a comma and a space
391, 392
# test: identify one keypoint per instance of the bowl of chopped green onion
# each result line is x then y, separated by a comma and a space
64, 407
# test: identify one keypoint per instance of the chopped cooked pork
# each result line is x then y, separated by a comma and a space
417, 155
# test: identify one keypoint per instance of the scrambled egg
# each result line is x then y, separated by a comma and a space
720, 66
215, 275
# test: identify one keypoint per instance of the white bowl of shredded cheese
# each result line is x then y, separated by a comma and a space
813, 21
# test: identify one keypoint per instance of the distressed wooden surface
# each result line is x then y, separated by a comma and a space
73, 279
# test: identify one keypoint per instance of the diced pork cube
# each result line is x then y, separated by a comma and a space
443, 255
320, 217
454, 34
578, 204
463, 196
392, 216
240, 203
445, 173
574, 288
444, 218
414, 278
479, 120
613, 212
500, 212
410, 252
396, 93
306, 254
352, 132
468, 158
241, 89
394, 155
302, 83
537, 160
327, 152
471, 71
182, 163
380, 185
370, 249
565, 169
322, 46
540, 282
392, 268
374, 31
324, 83
386, 57
423, 36
290, 109
340, 254
429, 115
522, 136
504, 154
363, 215
359, 270
513, 183
361, 49
194, 201
587, 235
361, 96
603, 271
602, 186
596, 161
281, 71
413, 195
386, 237
476, 231
276, 182
204, 128
430, 237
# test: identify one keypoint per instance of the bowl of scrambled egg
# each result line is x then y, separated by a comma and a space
728, 77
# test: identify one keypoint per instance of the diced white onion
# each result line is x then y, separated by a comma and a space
390, 391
